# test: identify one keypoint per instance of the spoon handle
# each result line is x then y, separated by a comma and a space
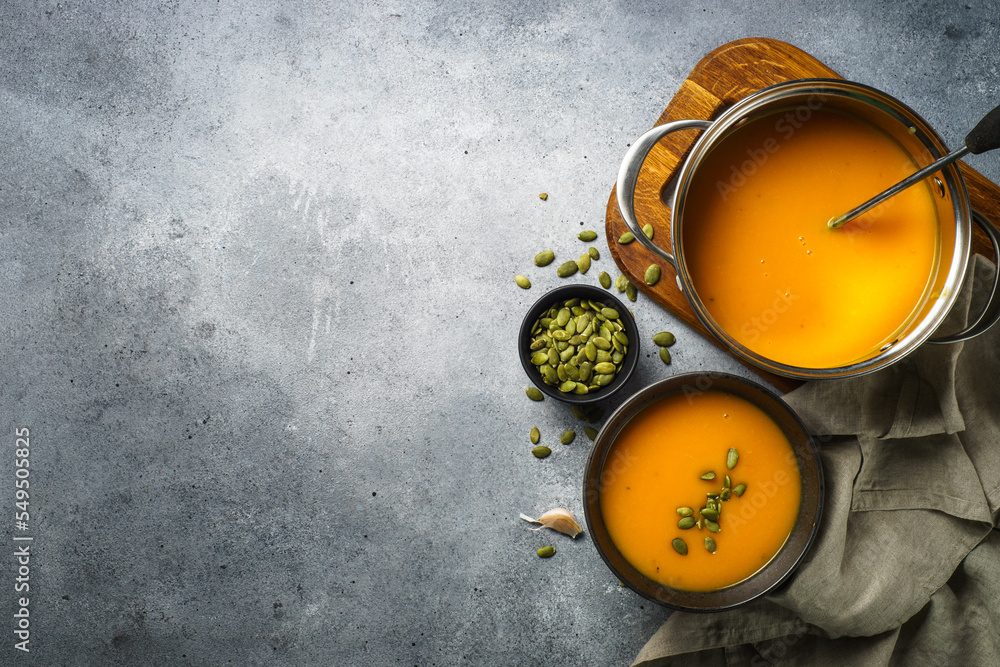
985, 136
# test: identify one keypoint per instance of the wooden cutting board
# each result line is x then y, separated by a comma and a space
722, 78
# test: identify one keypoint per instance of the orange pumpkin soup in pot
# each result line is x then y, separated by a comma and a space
768, 269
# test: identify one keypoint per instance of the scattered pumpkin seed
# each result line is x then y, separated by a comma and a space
713, 526
710, 544
566, 269
631, 292
739, 490
544, 258
652, 274
593, 252
587, 235
687, 523
727, 494
708, 475
680, 546
583, 263
626, 238
685, 511
535, 435
727, 483
569, 434
665, 355
591, 432
546, 552
543, 196
647, 229
522, 282
604, 279
620, 283
534, 393
541, 451
732, 458
664, 339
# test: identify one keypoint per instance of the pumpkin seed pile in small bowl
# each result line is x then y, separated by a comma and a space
578, 344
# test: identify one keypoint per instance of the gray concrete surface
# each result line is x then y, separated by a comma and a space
259, 316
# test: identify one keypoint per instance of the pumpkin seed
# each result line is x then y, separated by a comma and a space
710, 514
700, 523
590, 432
685, 511
710, 544
647, 229
535, 435
567, 385
566, 269
543, 196
544, 258
727, 483
708, 475
609, 313
687, 522
604, 279
522, 282
583, 263
626, 238
539, 358
620, 283
732, 458
534, 393
586, 371
537, 344
593, 252
680, 546
603, 380
664, 339
581, 388
739, 490
603, 368
665, 355
553, 357
546, 552
652, 274
602, 342
713, 526
541, 451
631, 292
587, 235
727, 494
569, 435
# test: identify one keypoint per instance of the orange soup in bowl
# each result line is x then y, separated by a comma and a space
663, 470
771, 273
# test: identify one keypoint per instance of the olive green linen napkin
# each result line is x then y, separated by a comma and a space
905, 568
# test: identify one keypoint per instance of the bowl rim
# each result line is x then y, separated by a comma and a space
781, 566
562, 293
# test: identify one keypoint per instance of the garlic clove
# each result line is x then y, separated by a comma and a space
558, 519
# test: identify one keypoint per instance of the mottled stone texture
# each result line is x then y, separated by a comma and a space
258, 309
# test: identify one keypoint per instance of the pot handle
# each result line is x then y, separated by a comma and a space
991, 313
628, 176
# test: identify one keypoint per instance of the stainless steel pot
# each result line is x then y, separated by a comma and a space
901, 123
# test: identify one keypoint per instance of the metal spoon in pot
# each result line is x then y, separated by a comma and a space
985, 136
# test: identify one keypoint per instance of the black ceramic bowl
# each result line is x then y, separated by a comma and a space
796, 545
578, 291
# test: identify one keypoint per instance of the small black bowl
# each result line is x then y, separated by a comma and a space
578, 291
791, 554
